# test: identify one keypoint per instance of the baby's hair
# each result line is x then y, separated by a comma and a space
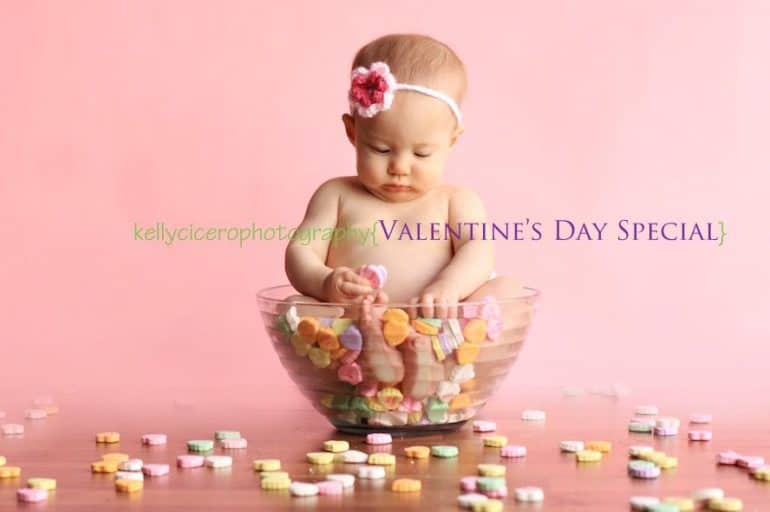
417, 59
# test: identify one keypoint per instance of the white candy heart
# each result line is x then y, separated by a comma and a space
572, 446
303, 489
447, 390
345, 479
131, 465
219, 461
469, 499
371, 472
129, 475
529, 494
354, 457
462, 373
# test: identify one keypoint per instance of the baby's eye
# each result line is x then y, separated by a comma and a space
380, 150
420, 155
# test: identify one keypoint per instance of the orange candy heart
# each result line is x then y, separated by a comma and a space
467, 353
395, 315
308, 327
327, 339
475, 330
461, 401
395, 333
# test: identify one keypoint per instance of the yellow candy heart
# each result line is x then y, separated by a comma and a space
107, 437
125, 485
319, 357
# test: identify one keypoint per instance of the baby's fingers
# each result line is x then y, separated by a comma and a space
353, 277
442, 307
353, 290
426, 305
412, 309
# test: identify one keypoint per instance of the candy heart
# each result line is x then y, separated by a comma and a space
351, 338
375, 274
350, 373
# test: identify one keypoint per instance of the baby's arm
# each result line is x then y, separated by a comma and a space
471, 264
306, 262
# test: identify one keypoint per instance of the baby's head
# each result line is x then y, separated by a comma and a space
401, 150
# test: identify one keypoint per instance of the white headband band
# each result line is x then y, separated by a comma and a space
371, 91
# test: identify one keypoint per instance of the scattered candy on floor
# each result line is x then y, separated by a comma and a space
108, 437
533, 415
154, 439
479, 492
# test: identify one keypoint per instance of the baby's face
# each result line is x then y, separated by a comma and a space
401, 152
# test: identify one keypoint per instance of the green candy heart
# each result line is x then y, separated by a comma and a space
444, 451
490, 483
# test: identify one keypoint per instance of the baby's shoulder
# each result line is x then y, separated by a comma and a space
464, 203
341, 186
459, 193
334, 189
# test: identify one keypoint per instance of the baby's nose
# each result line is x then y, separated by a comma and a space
398, 167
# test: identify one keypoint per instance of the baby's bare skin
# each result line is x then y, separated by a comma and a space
412, 264
400, 154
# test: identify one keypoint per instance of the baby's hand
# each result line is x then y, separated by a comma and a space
343, 284
438, 300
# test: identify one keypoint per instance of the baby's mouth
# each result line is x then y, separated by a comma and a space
390, 187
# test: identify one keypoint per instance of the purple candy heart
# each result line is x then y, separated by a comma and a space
351, 338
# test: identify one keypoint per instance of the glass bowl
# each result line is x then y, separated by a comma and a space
384, 369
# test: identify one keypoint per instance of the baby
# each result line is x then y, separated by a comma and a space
404, 121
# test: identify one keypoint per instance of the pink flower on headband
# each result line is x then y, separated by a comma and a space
371, 90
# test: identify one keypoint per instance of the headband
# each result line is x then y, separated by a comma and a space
371, 91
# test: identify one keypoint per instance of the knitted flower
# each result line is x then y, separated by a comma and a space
371, 90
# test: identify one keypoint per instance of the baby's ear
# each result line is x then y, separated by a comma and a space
350, 127
459, 131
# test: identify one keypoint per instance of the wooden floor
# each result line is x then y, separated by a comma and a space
62, 447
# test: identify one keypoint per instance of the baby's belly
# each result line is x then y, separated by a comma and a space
412, 264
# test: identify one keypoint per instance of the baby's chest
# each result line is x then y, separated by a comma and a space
414, 235
395, 219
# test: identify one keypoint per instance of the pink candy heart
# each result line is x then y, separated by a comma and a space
468, 483
379, 438
470, 311
350, 356
234, 443
155, 469
409, 404
375, 274
190, 461
513, 450
494, 329
367, 389
329, 487
154, 439
350, 373
729, 457
497, 493
29, 495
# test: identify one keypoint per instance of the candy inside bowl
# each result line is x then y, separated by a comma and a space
382, 368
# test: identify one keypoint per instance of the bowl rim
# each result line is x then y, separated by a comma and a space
530, 294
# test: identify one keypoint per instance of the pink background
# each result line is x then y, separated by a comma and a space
224, 113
